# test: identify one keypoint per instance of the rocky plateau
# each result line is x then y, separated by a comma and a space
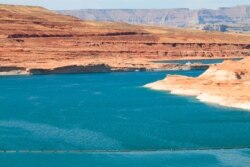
232, 19
34, 40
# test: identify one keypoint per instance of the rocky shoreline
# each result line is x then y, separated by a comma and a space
94, 68
225, 84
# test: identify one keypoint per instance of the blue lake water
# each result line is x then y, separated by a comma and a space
114, 121
202, 61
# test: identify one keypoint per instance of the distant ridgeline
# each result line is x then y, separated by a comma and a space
236, 19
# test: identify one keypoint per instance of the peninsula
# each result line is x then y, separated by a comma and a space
226, 84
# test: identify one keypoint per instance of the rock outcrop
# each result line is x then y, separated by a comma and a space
225, 84
231, 19
37, 39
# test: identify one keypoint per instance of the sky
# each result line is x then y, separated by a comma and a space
127, 4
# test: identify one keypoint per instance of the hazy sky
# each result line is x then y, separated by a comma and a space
127, 4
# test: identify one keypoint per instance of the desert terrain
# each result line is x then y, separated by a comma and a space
35, 40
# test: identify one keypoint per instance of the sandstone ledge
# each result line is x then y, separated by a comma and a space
226, 84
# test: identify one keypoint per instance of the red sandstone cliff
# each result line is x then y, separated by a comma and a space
36, 39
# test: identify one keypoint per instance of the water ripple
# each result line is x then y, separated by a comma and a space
78, 137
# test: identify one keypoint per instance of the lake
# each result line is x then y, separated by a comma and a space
111, 120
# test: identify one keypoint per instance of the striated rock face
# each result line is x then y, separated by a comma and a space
225, 84
232, 19
36, 39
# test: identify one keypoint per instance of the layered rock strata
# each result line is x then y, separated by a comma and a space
38, 40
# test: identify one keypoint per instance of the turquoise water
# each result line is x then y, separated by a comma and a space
113, 121
219, 158
203, 61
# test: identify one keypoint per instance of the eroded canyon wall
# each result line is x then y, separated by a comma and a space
35, 38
